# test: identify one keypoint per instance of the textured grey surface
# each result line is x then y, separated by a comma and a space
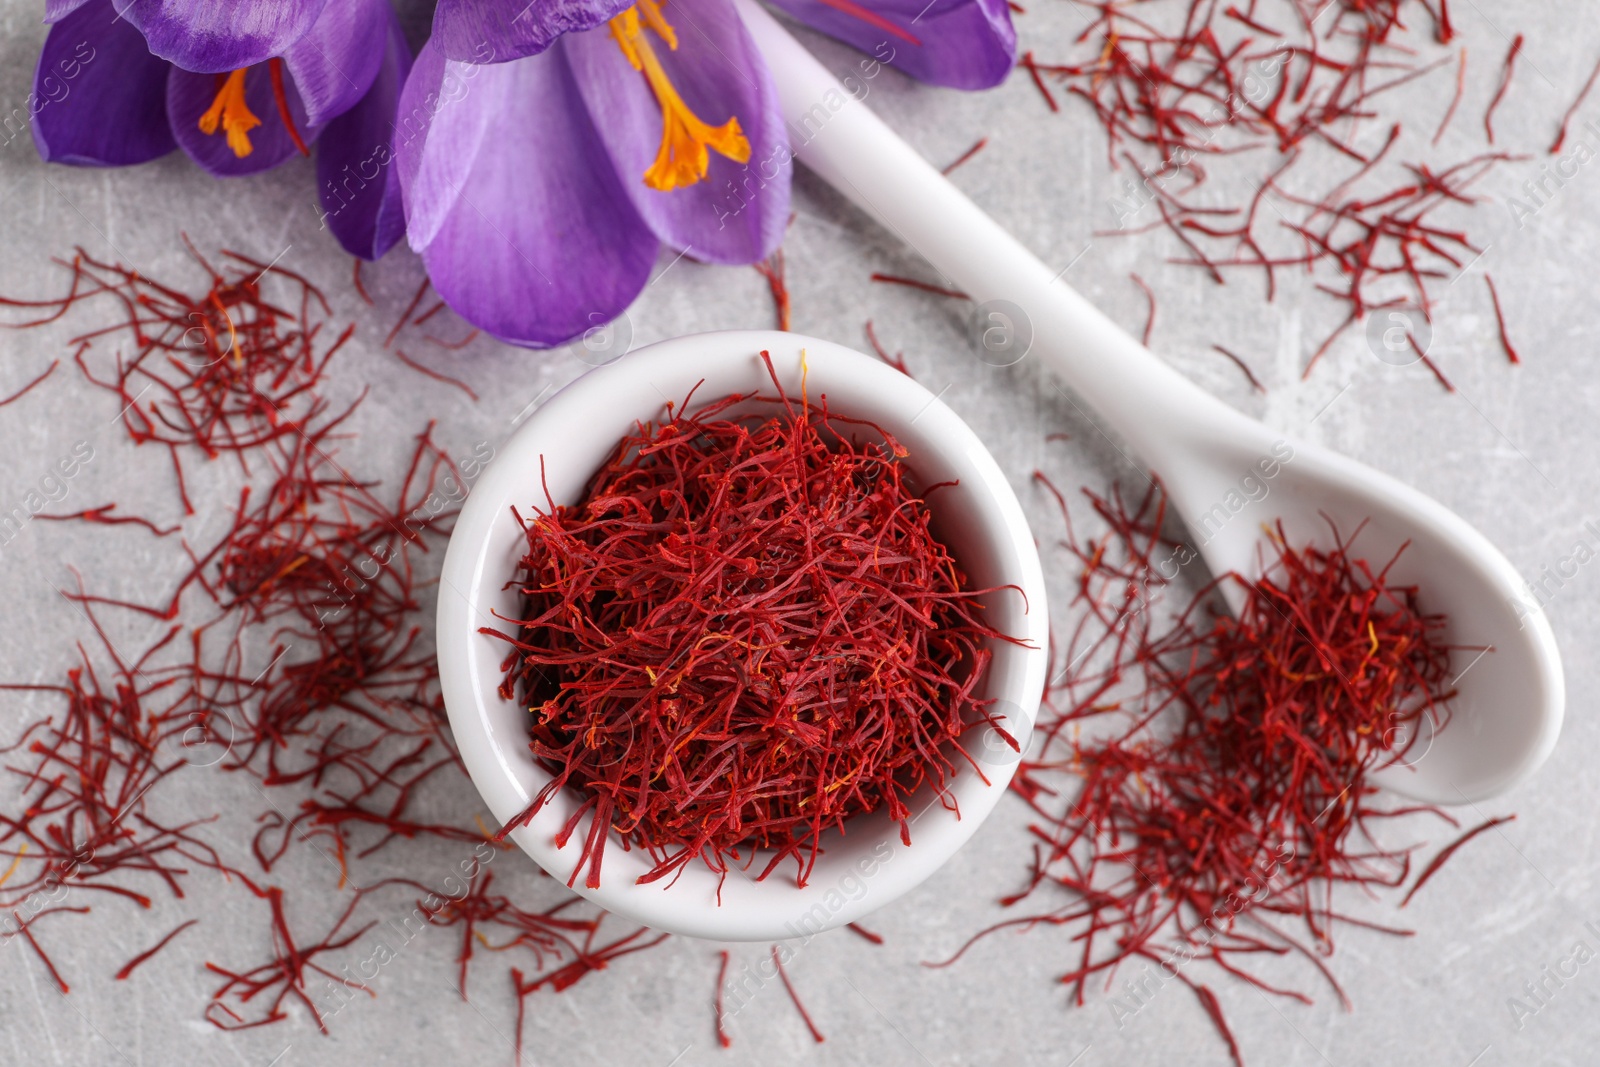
1513, 450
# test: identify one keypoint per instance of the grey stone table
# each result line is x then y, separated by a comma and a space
1514, 450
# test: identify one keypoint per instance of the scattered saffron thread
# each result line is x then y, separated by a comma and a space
129, 967
977, 147
1150, 315
1449, 850
1500, 89
1566, 117
722, 978
1500, 321
1455, 99
19, 394
1243, 367
816, 1035
926, 287
772, 269
438, 376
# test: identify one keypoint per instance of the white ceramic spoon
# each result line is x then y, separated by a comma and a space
1511, 700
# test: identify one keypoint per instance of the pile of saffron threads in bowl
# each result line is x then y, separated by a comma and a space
743, 635
1228, 785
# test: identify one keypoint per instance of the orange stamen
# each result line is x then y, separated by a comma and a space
683, 158
229, 108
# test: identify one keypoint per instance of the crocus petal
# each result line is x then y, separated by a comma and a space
738, 212
212, 36
965, 44
334, 63
99, 96
497, 31
56, 10
356, 173
539, 243
190, 94
439, 139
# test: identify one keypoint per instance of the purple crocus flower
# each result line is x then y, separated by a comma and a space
551, 147
538, 190
106, 98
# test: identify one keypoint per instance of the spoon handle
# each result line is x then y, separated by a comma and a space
1158, 412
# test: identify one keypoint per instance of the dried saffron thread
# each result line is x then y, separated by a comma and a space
744, 635
1455, 98
1566, 116
355, 279
926, 287
862, 932
772, 269
978, 146
27, 934
1500, 321
777, 961
722, 980
129, 967
437, 376
1150, 315
1449, 850
1430, 364
897, 361
1501, 87
26, 389
1244, 368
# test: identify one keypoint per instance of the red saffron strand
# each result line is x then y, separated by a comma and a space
1500, 89
1032, 67
722, 978
1430, 364
275, 73
438, 376
897, 361
772, 269
1243, 367
405, 316
816, 1035
862, 932
1566, 117
964, 157
355, 278
913, 283
1150, 315
129, 967
1449, 850
1500, 321
1455, 98
26, 389
22, 928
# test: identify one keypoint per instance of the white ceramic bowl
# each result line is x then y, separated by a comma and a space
979, 519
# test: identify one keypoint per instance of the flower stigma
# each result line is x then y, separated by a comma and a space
683, 158
235, 116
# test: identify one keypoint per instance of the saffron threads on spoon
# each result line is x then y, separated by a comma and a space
1206, 779
743, 635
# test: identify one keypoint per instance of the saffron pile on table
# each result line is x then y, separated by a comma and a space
1206, 778
743, 635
